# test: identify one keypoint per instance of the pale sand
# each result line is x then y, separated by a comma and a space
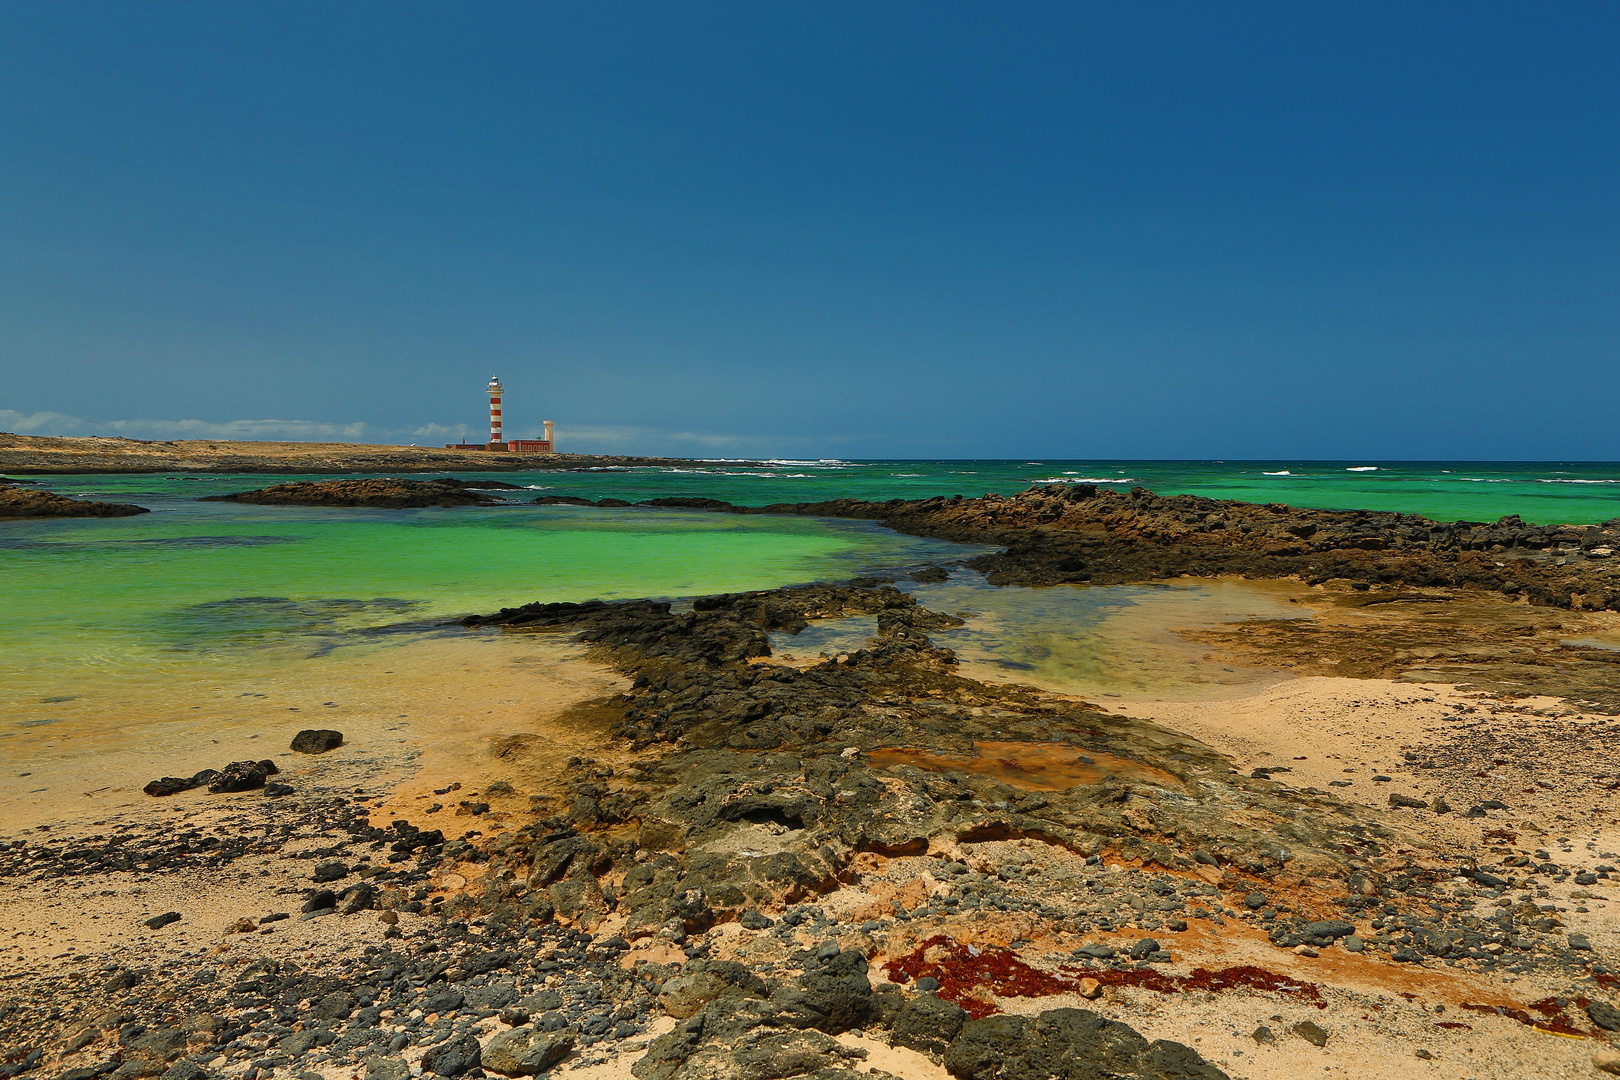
429, 709
459, 696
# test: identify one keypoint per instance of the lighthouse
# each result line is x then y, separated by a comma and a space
495, 441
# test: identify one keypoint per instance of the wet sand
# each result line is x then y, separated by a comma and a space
431, 709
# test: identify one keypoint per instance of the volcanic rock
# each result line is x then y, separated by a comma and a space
391, 494
17, 502
316, 740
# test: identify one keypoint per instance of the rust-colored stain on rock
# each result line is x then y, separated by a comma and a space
1028, 765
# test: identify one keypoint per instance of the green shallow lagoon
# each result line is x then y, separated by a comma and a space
218, 583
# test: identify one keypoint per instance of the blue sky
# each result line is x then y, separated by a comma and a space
1177, 230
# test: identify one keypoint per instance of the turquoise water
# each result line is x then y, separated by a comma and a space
196, 587
210, 583
1542, 492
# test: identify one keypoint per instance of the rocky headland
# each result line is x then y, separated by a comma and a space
22, 502
871, 863
42, 454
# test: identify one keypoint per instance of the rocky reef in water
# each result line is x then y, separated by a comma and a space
19, 502
1056, 534
389, 493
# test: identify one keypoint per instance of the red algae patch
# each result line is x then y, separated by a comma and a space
968, 975
1553, 1013
1029, 765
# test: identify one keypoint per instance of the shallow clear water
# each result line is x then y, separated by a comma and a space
1089, 640
210, 583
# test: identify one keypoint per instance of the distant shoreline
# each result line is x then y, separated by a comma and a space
44, 455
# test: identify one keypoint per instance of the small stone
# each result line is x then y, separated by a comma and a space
455, 1056
158, 922
242, 926
1580, 942
1144, 949
927, 984
1312, 1034
523, 1051
1607, 1061
1090, 989
331, 870
1353, 944
322, 899
1096, 951
1424, 1054
1263, 1035
184, 1070
1306, 950
316, 741
1604, 1015
1255, 901
1408, 801
1440, 806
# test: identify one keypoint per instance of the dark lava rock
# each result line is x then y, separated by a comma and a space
1310, 1033
444, 1001
834, 996
158, 922
1407, 800
1255, 901
330, 871
453, 1057
928, 1023
334, 1006
1604, 1015
168, 785
390, 494
523, 1051
317, 740
18, 503
1067, 1044
325, 898
242, 776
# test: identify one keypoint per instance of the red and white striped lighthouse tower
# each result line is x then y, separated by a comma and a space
495, 441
